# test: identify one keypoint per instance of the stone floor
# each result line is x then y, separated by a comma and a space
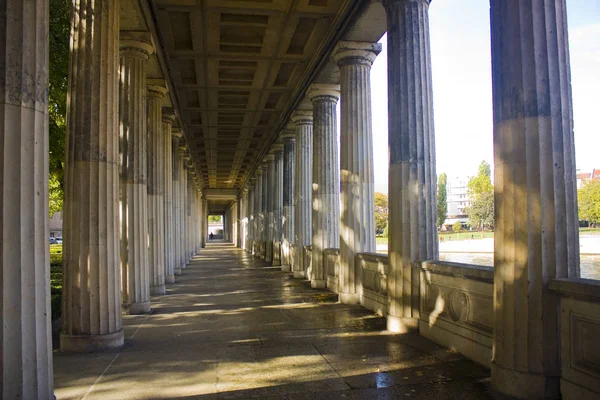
232, 327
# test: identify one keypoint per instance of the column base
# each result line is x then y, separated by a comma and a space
402, 325
349, 298
137, 308
286, 268
170, 279
318, 284
299, 274
91, 343
177, 271
523, 385
183, 266
158, 290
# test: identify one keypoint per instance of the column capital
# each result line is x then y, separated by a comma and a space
168, 115
276, 148
302, 117
356, 53
136, 44
269, 158
324, 92
182, 149
177, 133
156, 88
391, 3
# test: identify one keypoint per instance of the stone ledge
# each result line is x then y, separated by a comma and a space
587, 289
458, 270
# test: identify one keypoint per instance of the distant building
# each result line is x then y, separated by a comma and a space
584, 177
55, 225
457, 200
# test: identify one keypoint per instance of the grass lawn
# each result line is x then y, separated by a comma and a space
56, 279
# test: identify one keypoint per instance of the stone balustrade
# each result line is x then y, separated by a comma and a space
374, 270
331, 257
456, 307
579, 332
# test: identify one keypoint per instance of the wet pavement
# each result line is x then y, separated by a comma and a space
233, 327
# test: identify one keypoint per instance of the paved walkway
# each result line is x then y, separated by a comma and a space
233, 327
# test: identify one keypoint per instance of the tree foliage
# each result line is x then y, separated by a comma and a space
456, 226
481, 195
60, 23
481, 211
214, 218
588, 199
442, 204
381, 212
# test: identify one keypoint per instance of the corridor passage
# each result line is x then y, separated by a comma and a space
233, 327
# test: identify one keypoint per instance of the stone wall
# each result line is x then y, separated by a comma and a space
374, 269
331, 258
580, 330
456, 307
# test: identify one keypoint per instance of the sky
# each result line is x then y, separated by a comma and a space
462, 87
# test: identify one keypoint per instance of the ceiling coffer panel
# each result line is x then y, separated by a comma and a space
236, 65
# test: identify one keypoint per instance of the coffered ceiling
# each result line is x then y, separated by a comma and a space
239, 67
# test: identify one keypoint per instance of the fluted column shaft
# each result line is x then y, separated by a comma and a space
238, 222
167, 149
303, 188
250, 243
135, 289
278, 205
189, 230
536, 225
326, 181
269, 203
156, 191
289, 213
357, 231
264, 218
257, 211
183, 211
25, 330
412, 176
176, 200
91, 310
204, 220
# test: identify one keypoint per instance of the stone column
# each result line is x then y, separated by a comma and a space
536, 225
289, 161
184, 204
264, 218
25, 329
269, 174
357, 231
167, 123
181, 206
238, 222
303, 188
91, 309
412, 177
204, 220
278, 203
135, 49
257, 211
325, 178
156, 190
177, 135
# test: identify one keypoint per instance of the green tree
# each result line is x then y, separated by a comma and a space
482, 183
442, 204
381, 212
588, 199
481, 211
214, 218
58, 42
456, 226
481, 195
